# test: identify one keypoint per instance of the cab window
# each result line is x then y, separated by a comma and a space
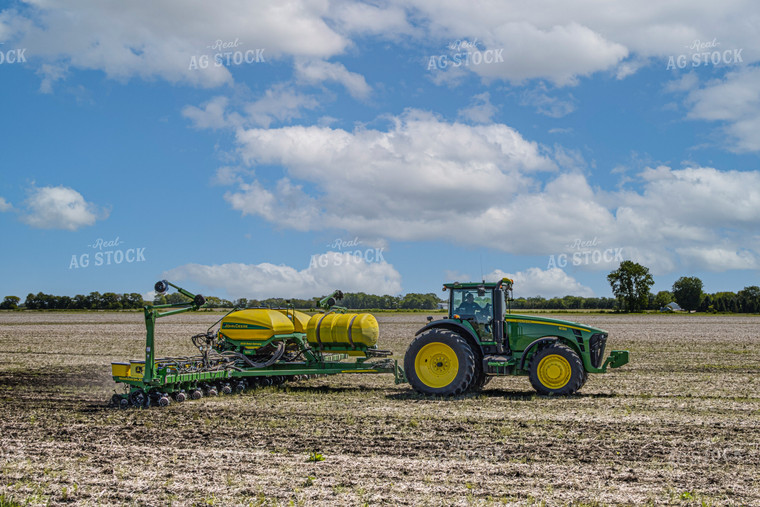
467, 303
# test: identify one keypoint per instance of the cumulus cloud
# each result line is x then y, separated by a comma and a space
149, 40
549, 283
279, 103
734, 101
5, 205
350, 180
480, 109
561, 42
546, 104
326, 272
319, 71
480, 186
718, 258
210, 116
560, 53
59, 208
556, 42
363, 19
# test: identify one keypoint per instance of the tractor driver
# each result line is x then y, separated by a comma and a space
469, 306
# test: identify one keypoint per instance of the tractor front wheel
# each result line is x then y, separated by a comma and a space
556, 369
440, 362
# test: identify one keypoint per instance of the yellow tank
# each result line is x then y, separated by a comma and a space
255, 325
343, 331
300, 319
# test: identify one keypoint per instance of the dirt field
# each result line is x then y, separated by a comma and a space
680, 424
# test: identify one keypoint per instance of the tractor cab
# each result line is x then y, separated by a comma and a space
483, 306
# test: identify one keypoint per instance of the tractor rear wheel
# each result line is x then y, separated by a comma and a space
556, 369
440, 362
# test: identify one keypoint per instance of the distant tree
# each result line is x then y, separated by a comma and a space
110, 301
687, 291
79, 302
94, 300
175, 298
662, 298
10, 303
749, 299
725, 302
630, 284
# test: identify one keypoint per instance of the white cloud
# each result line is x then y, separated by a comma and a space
59, 208
556, 42
545, 104
718, 259
560, 53
50, 75
5, 205
279, 103
734, 101
335, 270
158, 39
363, 19
353, 178
210, 116
319, 71
479, 185
561, 42
548, 283
480, 109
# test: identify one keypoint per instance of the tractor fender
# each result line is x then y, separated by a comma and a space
457, 327
546, 339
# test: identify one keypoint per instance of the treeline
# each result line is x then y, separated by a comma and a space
746, 300
352, 300
92, 301
565, 303
114, 301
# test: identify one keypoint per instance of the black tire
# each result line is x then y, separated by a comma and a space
583, 381
562, 375
139, 398
480, 381
440, 362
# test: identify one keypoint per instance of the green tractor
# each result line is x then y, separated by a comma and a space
481, 339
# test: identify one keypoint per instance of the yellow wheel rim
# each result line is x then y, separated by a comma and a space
436, 365
554, 371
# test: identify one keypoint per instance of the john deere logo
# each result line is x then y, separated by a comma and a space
233, 325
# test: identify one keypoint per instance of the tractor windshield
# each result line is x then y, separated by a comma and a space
468, 304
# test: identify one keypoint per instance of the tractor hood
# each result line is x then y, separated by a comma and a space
559, 323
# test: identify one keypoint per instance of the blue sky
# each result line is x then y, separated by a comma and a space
253, 149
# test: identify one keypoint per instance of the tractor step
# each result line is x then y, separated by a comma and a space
498, 364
